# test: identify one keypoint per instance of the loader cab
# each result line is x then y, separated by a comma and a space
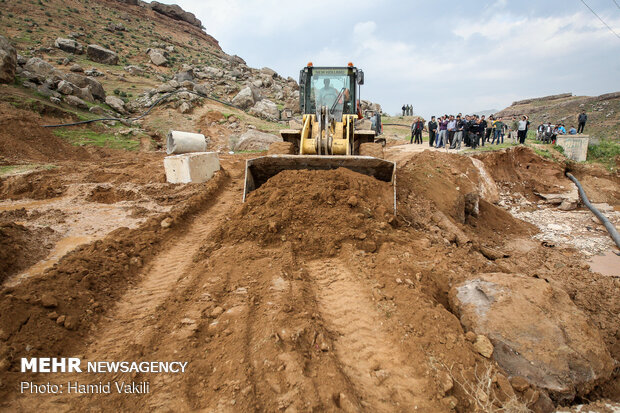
337, 88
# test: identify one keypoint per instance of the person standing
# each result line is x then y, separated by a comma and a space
416, 131
443, 132
582, 119
483, 129
432, 131
512, 129
490, 129
498, 126
522, 130
458, 135
451, 129
404, 108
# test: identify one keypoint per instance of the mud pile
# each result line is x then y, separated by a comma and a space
21, 247
520, 169
315, 211
23, 138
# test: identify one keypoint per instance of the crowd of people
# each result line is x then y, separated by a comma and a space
473, 130
469, 130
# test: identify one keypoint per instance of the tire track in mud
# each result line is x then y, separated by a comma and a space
164, 277
384, 377
137, 323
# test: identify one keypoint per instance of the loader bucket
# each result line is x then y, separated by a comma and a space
259, 170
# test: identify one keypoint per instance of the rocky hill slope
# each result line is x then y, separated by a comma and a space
603, 112
123, 56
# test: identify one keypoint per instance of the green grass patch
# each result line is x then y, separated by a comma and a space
85, 137
6, 170
491, 147
604, 152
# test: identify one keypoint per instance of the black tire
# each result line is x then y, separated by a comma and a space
371, 149
281, 148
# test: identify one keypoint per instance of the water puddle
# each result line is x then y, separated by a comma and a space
606, 264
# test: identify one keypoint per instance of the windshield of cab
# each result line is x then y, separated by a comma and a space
331, 88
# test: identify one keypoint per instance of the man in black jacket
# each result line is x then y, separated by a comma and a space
582, 119
432, 131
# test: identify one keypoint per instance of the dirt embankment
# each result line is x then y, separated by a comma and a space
23, 139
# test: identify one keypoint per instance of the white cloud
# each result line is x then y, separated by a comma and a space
499, 52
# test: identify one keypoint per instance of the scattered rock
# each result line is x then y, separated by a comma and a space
253, 140
134, 70
97, 110
39, 67
116, 103
175, 12
217, 311
95, 88
76, 68
69, 45
166, 222
71, 323
185, 107
100, 54
483, 346
157, 58
8, 61
470, 336
519, 383
66, 88
49, 301
266, 109
76, 101
61, 319
244, 99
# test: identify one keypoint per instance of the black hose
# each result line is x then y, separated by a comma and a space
396, 124
130, 120
608, 225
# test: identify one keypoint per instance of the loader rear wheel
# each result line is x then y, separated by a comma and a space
281, 148
371, 149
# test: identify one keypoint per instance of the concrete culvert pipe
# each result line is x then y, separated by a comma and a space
179, 142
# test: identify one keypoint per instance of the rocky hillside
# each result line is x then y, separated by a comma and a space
603, 112
119, 57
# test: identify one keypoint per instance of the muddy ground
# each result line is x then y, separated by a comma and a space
311, 296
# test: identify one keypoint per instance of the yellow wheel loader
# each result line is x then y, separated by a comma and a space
332, 133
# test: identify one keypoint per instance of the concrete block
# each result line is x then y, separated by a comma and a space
575, 147
191, 167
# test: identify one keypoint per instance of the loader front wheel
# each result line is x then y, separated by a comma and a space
371, 149
281, 148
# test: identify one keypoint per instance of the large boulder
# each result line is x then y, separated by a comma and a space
95, 88
253, 140
39, 67
266, 109
175, 12
158, 57
8, 61
69, 45
100, 54
537, 332
244, 99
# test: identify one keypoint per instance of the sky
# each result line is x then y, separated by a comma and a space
444, 56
